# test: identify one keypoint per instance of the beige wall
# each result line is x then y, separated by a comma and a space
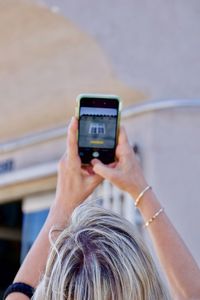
169, 150
153, 45
170, 147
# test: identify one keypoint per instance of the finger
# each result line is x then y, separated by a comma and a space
110, 165
72, 147
88, 169
123, 139
103, 170
94, 180
123, 150
96, 160
84, 172
113, 164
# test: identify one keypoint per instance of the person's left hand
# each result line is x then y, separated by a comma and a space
75, 182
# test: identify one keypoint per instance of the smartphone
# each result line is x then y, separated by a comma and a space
98, 126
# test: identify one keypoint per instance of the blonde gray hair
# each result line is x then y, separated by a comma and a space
99, 257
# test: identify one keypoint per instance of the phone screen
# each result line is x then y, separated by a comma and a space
97, 127
98, 120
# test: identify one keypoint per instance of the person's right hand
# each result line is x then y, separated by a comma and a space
75, 182
126, 172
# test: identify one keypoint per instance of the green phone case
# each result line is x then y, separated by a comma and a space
101, 96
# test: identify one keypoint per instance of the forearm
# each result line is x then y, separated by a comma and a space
74, 185
180, 268
34, 264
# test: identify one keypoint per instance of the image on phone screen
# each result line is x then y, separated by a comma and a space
97, 127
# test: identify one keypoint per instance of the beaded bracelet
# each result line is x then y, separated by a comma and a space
154, 217
141, 195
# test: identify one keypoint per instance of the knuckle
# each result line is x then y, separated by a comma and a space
61, 163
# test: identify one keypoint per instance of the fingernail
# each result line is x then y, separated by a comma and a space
94, 161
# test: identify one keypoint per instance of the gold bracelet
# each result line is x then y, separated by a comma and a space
141, 195
154, 217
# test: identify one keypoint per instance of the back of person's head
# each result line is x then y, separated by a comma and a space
99, 257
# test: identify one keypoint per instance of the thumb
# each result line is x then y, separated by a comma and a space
102, 170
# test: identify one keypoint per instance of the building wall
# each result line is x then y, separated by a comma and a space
169, 151
153, 45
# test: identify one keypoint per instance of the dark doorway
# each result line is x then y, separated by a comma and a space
10, 242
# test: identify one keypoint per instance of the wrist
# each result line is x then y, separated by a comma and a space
62, 208
144, 197
148, 204
135, 190
58, 214
141, 195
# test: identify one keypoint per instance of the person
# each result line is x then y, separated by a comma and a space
87, 252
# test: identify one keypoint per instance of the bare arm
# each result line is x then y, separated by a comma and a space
34, 263
178, 264
74, 185
180, 268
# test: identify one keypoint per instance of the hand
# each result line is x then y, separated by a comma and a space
126, 173
75, 183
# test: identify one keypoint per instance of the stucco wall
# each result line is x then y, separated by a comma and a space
153, 45
169, 149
